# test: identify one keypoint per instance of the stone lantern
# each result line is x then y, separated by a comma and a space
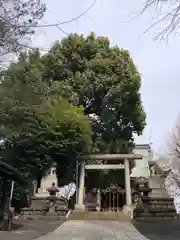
52, 195
142, 186
52, 190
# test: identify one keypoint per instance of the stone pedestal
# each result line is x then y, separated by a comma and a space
128, 209
79, 208
156, 183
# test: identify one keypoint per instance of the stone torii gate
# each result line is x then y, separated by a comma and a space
125, 158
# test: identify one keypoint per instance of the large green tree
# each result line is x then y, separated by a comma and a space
41, 127
105, 82
50, 100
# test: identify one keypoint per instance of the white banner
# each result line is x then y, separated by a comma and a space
67, 191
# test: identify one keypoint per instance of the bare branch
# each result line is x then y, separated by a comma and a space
168, 14
14, 13
61, 23
174, 146
18, 21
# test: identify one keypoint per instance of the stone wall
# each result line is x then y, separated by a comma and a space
158, 208
40, 206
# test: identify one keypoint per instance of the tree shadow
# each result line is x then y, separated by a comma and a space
15, 226
162, 229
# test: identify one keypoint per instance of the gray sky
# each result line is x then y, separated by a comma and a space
156, 61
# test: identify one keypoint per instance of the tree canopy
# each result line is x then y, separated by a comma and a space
82, 96
106, 83
40, 126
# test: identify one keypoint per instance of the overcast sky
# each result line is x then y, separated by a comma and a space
157, 62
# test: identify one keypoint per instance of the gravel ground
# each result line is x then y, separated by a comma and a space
29, 229
158, 230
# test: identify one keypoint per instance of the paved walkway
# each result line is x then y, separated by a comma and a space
95, 230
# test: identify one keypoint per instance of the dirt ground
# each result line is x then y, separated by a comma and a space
29, 229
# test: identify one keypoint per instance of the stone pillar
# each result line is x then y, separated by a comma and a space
81, 186
34, 185
127, 183
98, 200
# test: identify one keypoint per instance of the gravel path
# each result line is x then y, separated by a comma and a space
29, 229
